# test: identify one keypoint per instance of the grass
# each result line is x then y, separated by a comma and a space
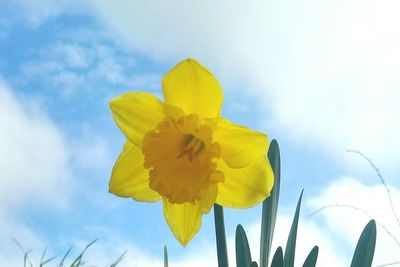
75, 261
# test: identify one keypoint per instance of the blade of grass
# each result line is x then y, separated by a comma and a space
78, 261
26, 259
42, 258
26, 253
48, 260
61, 264
288, 258
117, 260
270, 205
43, 261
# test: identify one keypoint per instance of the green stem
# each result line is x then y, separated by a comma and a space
220, 236
165, 257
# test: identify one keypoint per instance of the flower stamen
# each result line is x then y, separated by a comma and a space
180, 156
192, 146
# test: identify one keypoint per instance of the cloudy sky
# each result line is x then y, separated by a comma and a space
321, 77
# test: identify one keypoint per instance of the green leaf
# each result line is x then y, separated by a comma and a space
254, 264
61, 264
364, 253
311, 259
270, 205
220, 236
117, 260
165, 256
243, 256
43, 261
288, 259
78, 261
26, 253
277, 260
47, 261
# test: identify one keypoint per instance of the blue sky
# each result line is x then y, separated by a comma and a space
320, 77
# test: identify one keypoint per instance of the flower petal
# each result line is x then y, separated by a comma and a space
184, 220
240, 146
137, 113
194, 89
129, 178
208, 199
245, 187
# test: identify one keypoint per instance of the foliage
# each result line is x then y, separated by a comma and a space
362, 257
76, 261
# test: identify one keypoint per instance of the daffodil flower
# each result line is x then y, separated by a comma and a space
181, 151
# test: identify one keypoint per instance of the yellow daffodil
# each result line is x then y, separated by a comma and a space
181, 151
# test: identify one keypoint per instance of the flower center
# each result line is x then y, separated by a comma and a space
181, 158
191, 146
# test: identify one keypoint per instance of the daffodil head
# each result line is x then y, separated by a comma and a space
181, 158
182, 152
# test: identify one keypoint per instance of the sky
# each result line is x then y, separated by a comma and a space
322, 77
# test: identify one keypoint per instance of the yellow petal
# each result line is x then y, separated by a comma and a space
194, 89
240, 146
129, 178
208, 199
245, 187
184, 220
137, 113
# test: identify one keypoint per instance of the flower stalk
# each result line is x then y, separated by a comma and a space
220, 236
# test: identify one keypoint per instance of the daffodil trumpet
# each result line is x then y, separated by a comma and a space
182, 152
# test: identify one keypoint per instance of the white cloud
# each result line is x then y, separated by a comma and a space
213, 32
346, 223
74, 66
326, 72
337, 83
34, 12
53, 72
74, 55
68, 81
33, 169
33, 160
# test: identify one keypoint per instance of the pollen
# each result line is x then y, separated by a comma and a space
181, 158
